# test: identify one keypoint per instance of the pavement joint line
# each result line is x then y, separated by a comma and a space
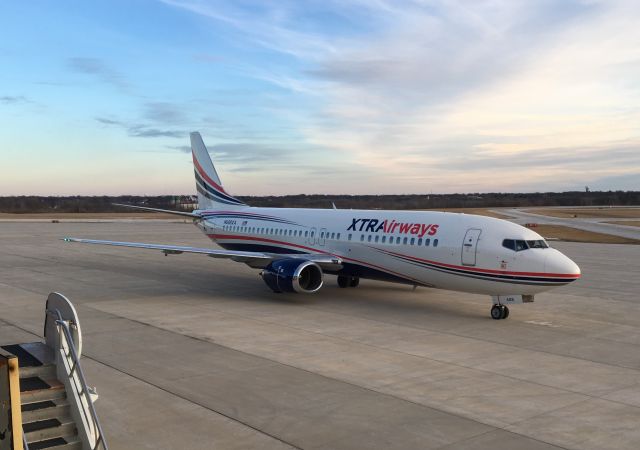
569, 391
442, 332
432, 331
494, 427
92, 358
195, 402
558, 409
494, 342
391, 350
454, 445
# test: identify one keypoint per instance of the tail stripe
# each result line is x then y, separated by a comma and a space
204, 175
219, 196
202, 191
211, 194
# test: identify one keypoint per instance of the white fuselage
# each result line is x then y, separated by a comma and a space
453, 251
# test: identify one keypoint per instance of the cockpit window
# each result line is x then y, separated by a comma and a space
519, 245
510, 244
537, 244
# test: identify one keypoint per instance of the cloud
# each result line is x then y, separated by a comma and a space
180, 148
141, 130
164, 112
13, 99
423, 93
242, 153
99, 69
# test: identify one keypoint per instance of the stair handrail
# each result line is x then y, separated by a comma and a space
83, 383
25, 445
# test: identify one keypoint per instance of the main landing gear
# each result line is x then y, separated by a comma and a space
499, 312
345, 281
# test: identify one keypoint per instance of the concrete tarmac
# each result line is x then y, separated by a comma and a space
195, 353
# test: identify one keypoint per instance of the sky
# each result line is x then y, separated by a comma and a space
320, 97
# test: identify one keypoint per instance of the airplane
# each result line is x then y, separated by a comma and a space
296, 248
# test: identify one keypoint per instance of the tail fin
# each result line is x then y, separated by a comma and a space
211, 194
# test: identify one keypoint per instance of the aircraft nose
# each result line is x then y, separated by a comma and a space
556, 263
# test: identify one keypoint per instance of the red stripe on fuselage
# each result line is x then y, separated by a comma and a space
474, 269
453, 266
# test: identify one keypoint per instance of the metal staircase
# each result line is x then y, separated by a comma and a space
46, 413
46, 380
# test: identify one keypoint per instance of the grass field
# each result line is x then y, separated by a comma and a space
574, 235
477, 211
590, 213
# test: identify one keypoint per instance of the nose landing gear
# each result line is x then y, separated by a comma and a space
499, 312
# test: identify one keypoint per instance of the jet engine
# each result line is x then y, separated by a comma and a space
293, 275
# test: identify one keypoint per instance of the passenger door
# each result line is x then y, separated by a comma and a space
470, 246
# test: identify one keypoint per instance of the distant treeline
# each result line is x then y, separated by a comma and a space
82, 204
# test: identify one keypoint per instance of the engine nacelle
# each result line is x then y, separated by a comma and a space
293, 275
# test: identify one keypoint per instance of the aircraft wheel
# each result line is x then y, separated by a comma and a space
354, 282
343, 281
505, 312
496, 312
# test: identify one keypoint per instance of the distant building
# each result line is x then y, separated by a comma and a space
185, 202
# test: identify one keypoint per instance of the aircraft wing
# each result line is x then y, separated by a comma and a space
253, 259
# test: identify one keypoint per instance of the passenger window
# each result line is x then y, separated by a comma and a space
419, 241
321, 234
412, 240
349, 236
405, 241
369, 238
333, 235
362, 238
306, 233
435, 242
427, 242
377, 237
384, 238
338, 236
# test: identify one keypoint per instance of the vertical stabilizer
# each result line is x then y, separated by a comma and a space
211, 194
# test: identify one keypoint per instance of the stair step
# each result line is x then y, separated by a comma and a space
43, 372
34, 412
49, 429
69, 443
32, 384
53, 392
24, 357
